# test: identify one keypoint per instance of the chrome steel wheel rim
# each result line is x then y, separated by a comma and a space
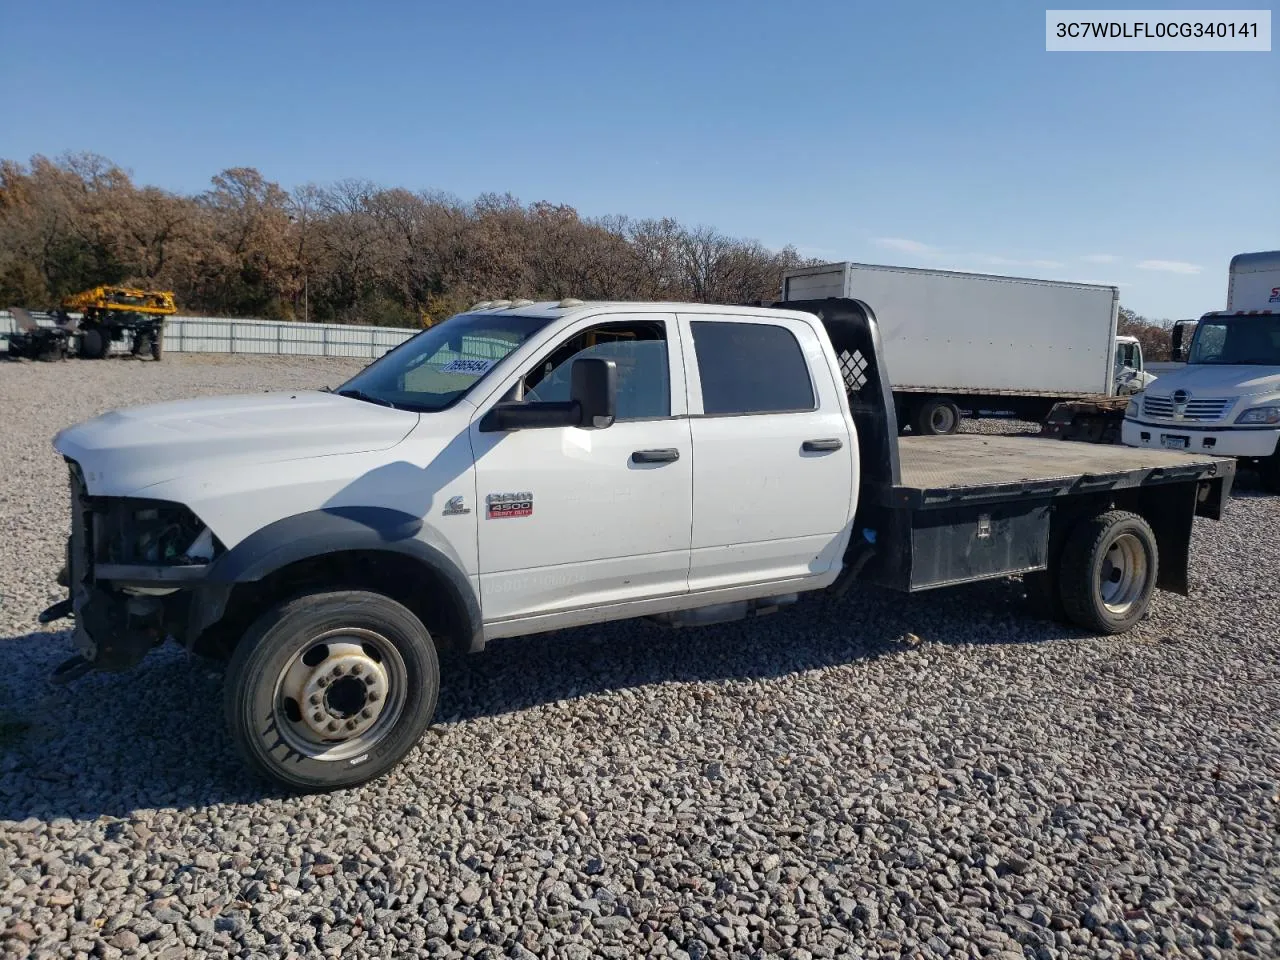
943, 419
339, 694
1122, 577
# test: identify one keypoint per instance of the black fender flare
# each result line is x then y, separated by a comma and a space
328, 530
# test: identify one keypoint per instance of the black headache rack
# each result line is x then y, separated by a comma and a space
940, 510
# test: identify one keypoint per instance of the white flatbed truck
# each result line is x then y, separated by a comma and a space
526, 467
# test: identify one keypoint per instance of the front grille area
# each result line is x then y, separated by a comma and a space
1197, 409
80, 548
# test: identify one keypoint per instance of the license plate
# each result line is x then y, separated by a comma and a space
1175, 443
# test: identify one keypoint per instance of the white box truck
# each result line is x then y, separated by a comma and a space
1226, 399
965, 343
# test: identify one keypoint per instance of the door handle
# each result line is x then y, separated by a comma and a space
819, 446
665, 455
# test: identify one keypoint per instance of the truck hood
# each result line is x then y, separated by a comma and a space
1219, 380
124, 451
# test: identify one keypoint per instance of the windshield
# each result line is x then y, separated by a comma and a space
1245, 340
435, 368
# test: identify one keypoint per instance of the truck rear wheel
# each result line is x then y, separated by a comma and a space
1108, 571
331, 689
936, 417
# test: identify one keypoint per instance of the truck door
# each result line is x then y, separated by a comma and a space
582, 518
773, 452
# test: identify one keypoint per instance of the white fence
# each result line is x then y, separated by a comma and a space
219, 335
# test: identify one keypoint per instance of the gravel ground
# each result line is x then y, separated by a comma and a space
929, 776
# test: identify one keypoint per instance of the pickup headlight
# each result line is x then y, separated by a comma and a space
149, 532
1260, 415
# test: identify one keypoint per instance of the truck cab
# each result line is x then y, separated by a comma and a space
1226, 400
1131, 376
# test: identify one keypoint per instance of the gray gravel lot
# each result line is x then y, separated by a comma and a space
928, 776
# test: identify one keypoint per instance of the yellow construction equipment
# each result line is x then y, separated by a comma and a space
123, 300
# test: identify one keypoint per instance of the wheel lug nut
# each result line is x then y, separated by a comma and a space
351, 724
355, 670
368, 681
315, 699
337, 671
317, 716
323, 681
333, 725
373, 696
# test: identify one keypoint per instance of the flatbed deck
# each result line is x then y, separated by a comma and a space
969, 467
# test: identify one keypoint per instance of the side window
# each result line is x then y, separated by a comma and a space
639, 351
750, 368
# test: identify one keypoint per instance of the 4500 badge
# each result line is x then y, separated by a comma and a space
502, 505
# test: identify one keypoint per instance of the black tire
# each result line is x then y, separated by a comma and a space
157, 343
936, 417
1110, 564
267, 662
1269, 472
93, 345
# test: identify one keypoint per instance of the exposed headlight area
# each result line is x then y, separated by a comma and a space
150, 533
1133, 407
1260, 416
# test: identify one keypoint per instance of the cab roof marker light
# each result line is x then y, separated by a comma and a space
519, 303
571, 302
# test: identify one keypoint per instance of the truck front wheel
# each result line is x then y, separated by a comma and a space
1108, 571
936, 417
331, 689
1269, 472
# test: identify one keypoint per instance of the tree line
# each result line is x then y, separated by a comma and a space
355, 252
349, 252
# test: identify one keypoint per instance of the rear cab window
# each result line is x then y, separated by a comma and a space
750, 368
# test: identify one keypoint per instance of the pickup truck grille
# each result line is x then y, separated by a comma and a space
80, 547
1197, 409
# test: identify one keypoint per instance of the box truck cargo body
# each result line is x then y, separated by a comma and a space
973, 342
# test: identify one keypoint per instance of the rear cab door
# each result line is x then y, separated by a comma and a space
774, 450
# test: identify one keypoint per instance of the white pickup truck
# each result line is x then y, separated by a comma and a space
526, 467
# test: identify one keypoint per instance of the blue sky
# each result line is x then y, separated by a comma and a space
924, 134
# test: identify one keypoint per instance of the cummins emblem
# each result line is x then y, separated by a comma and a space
455, 506
503, 505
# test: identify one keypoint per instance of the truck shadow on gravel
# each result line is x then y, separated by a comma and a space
109, 745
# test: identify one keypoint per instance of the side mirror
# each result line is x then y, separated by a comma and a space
594, 388
592, 403
1180, 340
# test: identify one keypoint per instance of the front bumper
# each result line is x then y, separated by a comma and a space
121, 611
1248, 442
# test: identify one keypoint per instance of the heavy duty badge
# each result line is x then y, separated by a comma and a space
502, 505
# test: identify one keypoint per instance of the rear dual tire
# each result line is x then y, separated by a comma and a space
331, 689
1104, 576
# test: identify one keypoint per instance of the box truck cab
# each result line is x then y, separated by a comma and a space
1131, 374
1226, 400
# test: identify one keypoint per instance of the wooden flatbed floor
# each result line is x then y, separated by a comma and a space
965, 466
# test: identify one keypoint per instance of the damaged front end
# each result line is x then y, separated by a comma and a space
131, 564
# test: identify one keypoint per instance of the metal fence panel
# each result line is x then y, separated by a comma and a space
234, 335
